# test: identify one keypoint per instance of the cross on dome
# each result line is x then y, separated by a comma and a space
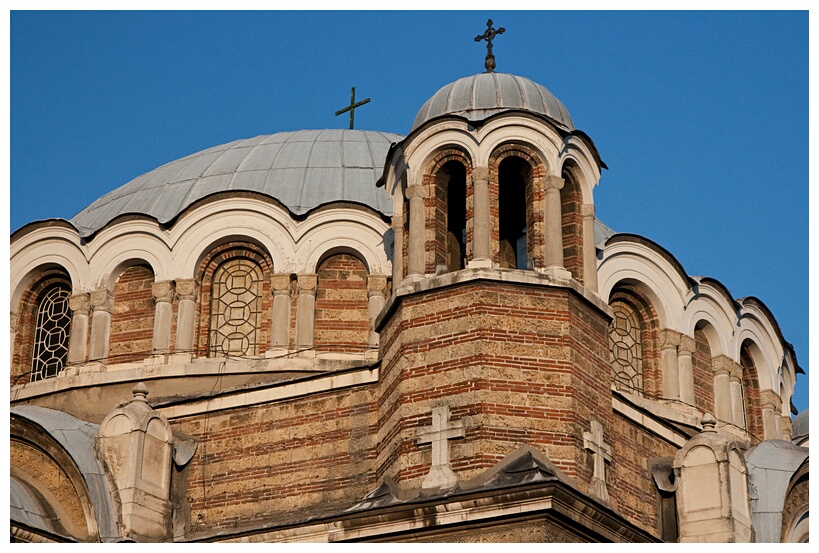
488, 35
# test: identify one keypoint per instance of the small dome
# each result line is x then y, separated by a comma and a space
483, 95
301, 169
801, 425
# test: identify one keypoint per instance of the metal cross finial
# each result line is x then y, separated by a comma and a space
488, 35
351, 107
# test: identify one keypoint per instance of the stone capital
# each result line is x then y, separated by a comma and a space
553, 183
79, 304
376, 285
687, 344
162, 291
13, 322
102, 300
480, 173
415, 191
770, 400
186, 289
669, 338
280, 284
398, 222
722, 365
736, 371
307, 284
587, 210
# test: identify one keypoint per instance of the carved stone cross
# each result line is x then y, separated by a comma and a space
438, 434
488, 35
351, 108
593, 442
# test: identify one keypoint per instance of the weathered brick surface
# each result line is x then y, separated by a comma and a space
571, 200
703, 373
132, 320
518, 364
281, 461
341, 317
628, 480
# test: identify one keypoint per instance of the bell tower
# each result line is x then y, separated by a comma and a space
494, 335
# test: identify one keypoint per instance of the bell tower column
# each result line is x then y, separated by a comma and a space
481, 252
553, 229
417, 234
589, 249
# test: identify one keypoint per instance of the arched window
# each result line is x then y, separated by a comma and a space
571, 200
626, 347
448, 182
51, 333
236, 309
514, 183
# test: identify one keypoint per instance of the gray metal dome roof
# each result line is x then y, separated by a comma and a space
301, 169
801, 424
480, 96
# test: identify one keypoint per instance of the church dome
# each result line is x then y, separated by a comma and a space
300, 169
486, 94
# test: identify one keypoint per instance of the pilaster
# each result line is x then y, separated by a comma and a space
163, 293
306, 312
417, 230
553, 228
186, 293
669, 342
80, 305
589, 248
280, 333
685, 366
481, 230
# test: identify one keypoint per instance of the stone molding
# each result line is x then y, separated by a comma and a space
415, 191
376, 285
687, 344
669, 338
587, 210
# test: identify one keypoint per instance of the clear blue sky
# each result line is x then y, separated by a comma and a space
702, 117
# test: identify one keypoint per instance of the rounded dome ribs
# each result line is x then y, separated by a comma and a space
301, 169
486, 94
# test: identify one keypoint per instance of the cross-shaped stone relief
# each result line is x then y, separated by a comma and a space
593, 442
438, 434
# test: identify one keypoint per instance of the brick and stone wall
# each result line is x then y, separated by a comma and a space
518, 364
281, 462
703, 369
571, 200
132, 320
341, 319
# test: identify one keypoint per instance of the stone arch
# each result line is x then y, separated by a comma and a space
448, 188
234, 311
132, 319
519, 209
748, 404
340, 323
571, 224
43, 317
634, 342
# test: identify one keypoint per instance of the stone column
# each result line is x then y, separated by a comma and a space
737, 403
103, 302
186, 291
553, 228
481, 219
398, 248
376, 290
669, 341
771, 423
306, 310
416, 253
163, 315
280, 333
685, 365
80, 305
722, 392
589, 249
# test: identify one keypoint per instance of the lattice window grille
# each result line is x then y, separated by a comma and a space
51, 334
236, 309
625, 341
